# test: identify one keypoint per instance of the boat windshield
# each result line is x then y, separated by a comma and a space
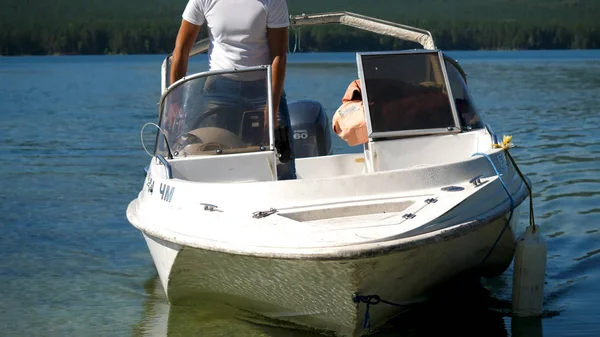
465, 106
215, 113
407, 93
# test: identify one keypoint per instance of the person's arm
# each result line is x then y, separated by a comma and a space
188, 32
278, 44
186, 37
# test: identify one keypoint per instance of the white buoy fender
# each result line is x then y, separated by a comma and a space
529, 274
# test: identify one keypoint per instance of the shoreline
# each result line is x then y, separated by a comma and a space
67, 55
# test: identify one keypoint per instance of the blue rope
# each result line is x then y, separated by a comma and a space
375, 299
512, 206
371, 300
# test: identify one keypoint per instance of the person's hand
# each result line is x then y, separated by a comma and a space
282, 143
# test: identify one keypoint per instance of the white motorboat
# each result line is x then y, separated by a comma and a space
357, 237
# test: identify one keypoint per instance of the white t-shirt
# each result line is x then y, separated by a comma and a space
237, 29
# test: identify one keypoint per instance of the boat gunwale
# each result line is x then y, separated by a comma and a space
350, 252
459, 160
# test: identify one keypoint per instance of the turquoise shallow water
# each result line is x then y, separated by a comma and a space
71, 160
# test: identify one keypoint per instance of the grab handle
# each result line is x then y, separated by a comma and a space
166, 165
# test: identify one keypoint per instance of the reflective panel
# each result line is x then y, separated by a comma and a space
465, 106
216, 114
406, 91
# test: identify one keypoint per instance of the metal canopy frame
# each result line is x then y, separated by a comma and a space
374, 25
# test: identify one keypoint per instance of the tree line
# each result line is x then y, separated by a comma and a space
158, 37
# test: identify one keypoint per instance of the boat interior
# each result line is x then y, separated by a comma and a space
418, 112
418, 108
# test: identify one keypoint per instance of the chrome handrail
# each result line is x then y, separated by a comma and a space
166, 164
493, 136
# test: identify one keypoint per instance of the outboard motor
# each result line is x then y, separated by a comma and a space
310, 129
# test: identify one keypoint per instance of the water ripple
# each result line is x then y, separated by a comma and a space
588, 255
71, 161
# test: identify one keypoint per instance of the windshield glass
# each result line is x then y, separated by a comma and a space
406, 91
467, 111
215, 114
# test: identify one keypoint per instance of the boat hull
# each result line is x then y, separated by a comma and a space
319, 293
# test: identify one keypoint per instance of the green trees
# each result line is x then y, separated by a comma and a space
39, 27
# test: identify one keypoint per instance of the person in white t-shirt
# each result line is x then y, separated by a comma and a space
243, 33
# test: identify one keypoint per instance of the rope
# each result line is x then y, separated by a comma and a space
531, 216
506, 144
371, 300
512, 208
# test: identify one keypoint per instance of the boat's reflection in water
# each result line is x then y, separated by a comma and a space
159, 319
464, 308
526, 327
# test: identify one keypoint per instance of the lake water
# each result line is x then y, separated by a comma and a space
71, 160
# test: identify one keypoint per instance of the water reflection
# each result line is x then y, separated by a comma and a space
89, 136
205, 319
526, 327
463, 307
